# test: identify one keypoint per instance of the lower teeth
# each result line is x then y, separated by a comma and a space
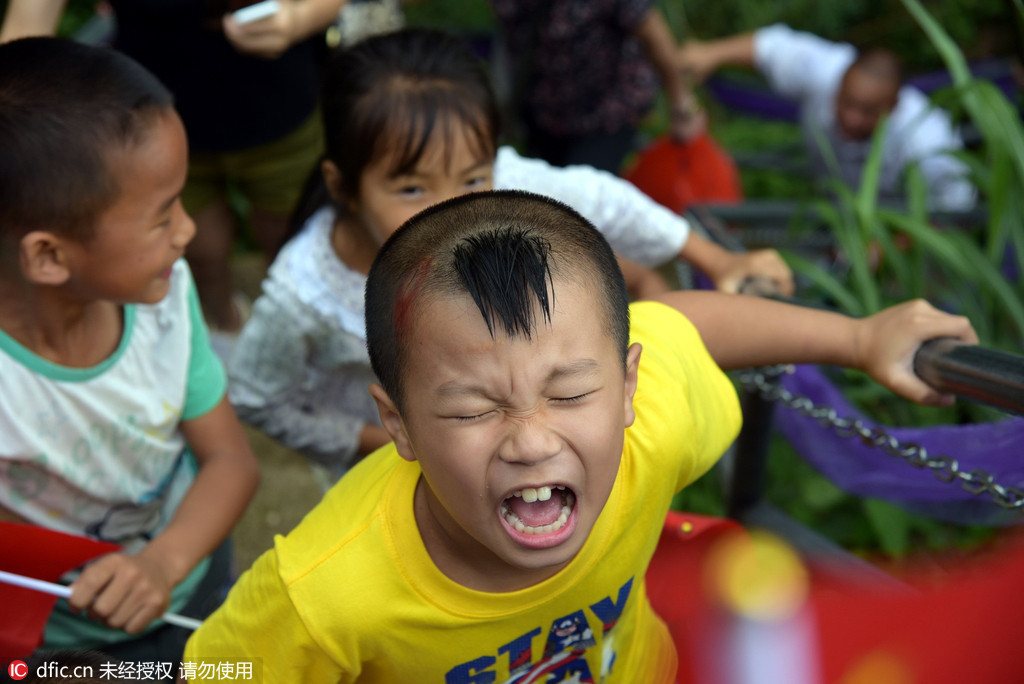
520, 526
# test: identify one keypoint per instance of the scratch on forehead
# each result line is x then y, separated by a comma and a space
408, 291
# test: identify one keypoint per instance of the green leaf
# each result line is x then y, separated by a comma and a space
890, 524
867, 195
848, 234
967, 260
1008, 301
999, 189
948, 50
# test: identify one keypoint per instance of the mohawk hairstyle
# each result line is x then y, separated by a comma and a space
503, 248
505, 271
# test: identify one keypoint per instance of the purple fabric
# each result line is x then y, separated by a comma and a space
995, 70
751, 98
996, 448
1009, 267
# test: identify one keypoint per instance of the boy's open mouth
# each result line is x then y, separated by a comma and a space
539, 511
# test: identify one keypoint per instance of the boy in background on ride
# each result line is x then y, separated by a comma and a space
114, 420
844, 95
410, 121
541, 426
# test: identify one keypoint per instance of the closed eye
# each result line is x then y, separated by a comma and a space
571, 400
470, 419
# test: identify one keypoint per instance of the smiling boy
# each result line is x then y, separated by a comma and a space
114, 421
505, 534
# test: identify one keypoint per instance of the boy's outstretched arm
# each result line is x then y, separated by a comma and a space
699, 59
130, 591
742, 331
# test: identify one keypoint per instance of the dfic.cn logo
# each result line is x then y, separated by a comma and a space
17, 669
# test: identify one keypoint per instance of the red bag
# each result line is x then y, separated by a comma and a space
677, 175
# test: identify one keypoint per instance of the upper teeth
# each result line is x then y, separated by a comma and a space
529, 494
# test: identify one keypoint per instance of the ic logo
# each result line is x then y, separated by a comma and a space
17, 669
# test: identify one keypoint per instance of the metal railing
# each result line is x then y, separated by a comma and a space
971, 372
984, 375
770, 223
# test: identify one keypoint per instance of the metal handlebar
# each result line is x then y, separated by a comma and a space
984, 375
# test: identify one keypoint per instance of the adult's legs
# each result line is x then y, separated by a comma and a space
268, 230
271, 178
604, 151
209, 258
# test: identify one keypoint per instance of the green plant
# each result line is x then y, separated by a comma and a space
914, 257
897, 254
459, 15
889, 255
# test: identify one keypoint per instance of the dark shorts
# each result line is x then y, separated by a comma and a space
270, 177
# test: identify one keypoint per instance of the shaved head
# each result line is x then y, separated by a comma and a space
506, 250
881, 64
870, 90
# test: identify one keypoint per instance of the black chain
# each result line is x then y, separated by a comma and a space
946, 468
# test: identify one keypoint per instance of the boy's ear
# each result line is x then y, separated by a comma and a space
632, 367
333, 181
392, 422
43, 258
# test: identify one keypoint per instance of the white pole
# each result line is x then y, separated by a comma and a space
65, 592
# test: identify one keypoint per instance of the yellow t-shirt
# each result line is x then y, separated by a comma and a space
352, 595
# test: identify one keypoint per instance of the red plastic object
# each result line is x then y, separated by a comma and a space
43, 554
950, 630
677, 175
675, 580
